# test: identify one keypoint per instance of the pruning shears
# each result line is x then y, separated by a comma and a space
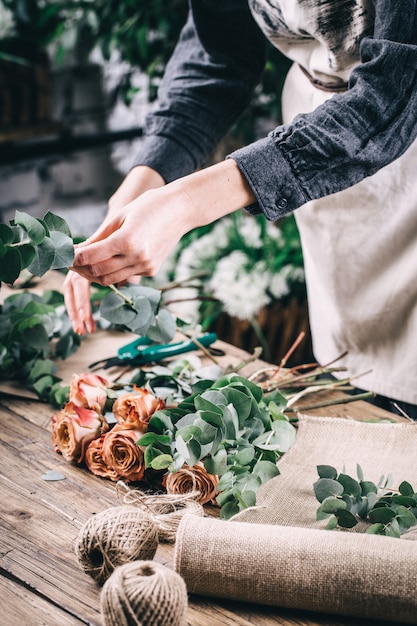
143, 350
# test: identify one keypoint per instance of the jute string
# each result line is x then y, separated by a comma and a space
144, 593
166, 510
113, 537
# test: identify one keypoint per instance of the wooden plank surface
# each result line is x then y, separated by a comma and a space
41, 581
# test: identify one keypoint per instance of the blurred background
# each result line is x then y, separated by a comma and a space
77, 78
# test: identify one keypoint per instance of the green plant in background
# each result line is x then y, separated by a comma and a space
238, 265
141, 34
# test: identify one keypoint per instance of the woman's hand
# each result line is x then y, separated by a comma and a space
77, 287
136, 239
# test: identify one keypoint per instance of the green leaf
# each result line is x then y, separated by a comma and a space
27, 253
406, 489
376, 529
10, 266
406, 519
165, 328
217, 463
6, 234
345, 519
32, 226
381, 515
244, 456
368, 487
332, 523
64, 250
229, 509
265, 470
152, 438
190, 450
327, 487
57, 223
332, 505
327, 471
115, 310
350, 485
43, 259
161, 462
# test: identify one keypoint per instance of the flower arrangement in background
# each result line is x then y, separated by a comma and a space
239, 265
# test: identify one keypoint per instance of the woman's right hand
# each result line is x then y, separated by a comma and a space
77, 288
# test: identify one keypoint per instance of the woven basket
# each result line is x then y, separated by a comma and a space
280, 324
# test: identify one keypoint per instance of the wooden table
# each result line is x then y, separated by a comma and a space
41, 582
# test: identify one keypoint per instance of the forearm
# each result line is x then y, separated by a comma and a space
140, 179
209, 194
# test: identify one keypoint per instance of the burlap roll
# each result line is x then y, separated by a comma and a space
276, 553
301, 568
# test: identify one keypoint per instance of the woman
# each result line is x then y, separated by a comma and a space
344, 161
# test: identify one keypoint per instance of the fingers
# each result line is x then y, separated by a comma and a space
77, 302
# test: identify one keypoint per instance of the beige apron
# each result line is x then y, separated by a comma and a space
360, 252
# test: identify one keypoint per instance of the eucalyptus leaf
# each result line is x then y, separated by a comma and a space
32, 226
345, 519
327, 471
56, 223
64, 250
161, 462
43, 259
6, 234
327, 487
114, 309
10, 266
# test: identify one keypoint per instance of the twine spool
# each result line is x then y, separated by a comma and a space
167, 510
113, 537
144, 593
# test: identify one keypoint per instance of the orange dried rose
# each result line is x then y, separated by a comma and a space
89, 390
73, 427
121, 453
94, 460
134, 410
194, 478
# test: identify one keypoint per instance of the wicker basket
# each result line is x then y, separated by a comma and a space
280, 324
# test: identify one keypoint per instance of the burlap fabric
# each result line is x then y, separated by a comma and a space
277, 554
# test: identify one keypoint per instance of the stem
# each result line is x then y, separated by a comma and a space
121, 295
179, 283
319, 405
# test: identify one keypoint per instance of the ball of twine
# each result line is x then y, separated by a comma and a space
144, 593
113, 537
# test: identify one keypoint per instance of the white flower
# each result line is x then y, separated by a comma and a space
250, 231
242, 292
7, 23
278, 286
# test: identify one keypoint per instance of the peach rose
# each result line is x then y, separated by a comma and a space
94, 460
121, 453
89, 390
194, 478
134, 410
73, 427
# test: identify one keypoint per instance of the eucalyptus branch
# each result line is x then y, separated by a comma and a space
121, 295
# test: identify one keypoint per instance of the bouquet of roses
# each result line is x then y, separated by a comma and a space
222, 440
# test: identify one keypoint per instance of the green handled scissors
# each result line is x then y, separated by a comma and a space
143, 350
